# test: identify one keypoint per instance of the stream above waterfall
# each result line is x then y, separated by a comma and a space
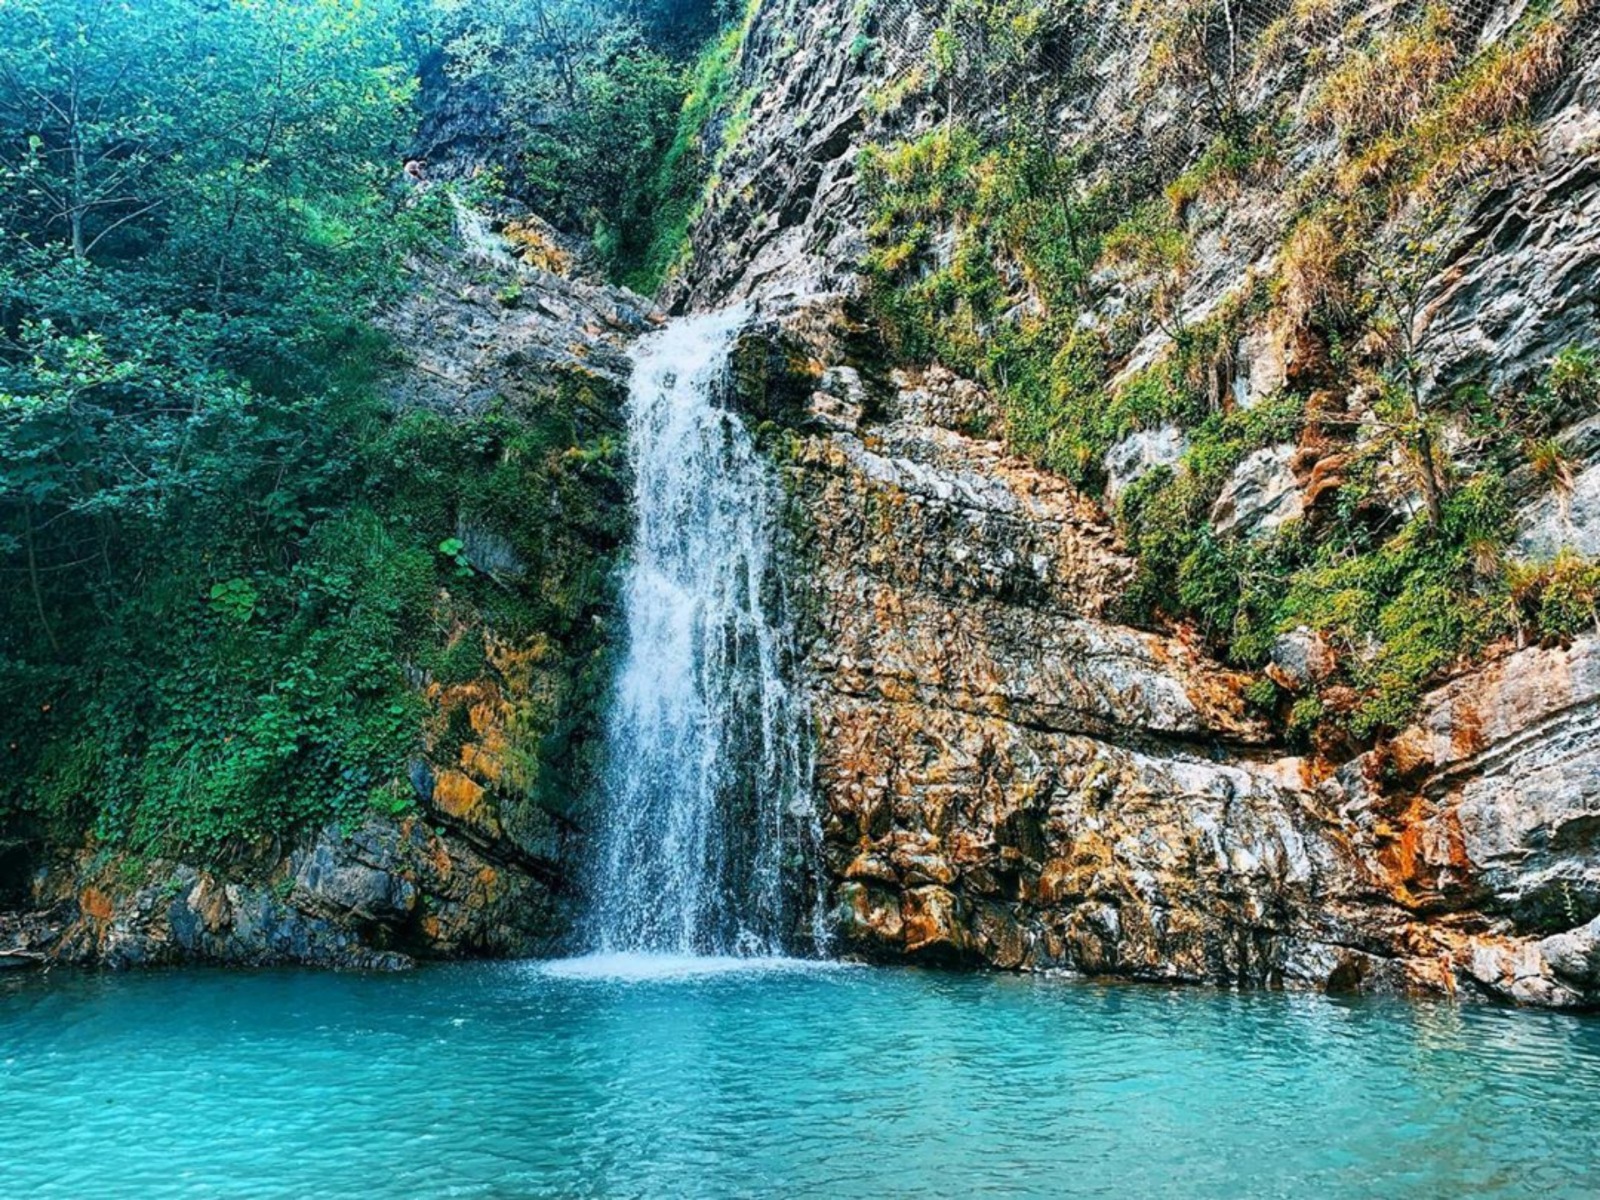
791, 1079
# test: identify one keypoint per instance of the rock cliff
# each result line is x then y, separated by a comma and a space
1014, 767
1010, 773
1011, 778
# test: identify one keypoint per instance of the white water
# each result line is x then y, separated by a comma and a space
670, 968
707, 831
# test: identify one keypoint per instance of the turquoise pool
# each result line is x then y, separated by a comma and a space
655, 1078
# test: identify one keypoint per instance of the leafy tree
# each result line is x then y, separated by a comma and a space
595, 96
195, 213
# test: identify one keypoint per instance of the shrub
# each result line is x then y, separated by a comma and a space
1558, 600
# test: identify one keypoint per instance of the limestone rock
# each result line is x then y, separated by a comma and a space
1009, 777
1574, 957
1523, 288
1261, 495
1261, 366
1131, 459
357, 875
1492, 798
1563, 520
375, 898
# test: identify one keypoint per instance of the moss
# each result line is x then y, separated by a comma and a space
676, 195
991, 253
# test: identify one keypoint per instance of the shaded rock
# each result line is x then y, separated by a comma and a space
869, 917
489, 552
933, 921
355, 876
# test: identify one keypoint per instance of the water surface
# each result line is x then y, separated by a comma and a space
673, 1077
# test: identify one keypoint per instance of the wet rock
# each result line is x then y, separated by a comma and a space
934, 925
869, 917
375, 898
1521, 973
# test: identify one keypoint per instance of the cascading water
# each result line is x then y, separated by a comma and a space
707, 828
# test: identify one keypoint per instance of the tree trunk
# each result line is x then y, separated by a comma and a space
33, 583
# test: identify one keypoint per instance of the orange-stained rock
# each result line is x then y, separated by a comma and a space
933, 921
1009, 775
95, 903
459, 796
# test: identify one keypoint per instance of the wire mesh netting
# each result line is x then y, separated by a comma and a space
1149, 84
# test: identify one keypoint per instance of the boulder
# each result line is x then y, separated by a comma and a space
1131, 459
1300, 659
1261, 495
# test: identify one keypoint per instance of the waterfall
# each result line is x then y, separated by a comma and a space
707, 833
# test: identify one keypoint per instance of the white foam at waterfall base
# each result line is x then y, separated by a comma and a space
705, 822
668, 968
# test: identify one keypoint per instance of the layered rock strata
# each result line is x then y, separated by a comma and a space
1010, 778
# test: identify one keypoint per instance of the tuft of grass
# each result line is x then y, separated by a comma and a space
1556, 600
1314, 273
1387, 86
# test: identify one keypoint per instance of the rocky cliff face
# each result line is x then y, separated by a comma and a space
1009, 772
1009, 775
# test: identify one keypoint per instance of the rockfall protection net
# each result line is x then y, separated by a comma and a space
1084, 71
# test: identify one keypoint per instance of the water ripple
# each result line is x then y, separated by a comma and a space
651, 1077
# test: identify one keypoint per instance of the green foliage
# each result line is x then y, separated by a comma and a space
996, 256
1183, 568
226, 564
1558, 600
612, 110
236, 600
947, 213
1572, 385
670, 197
